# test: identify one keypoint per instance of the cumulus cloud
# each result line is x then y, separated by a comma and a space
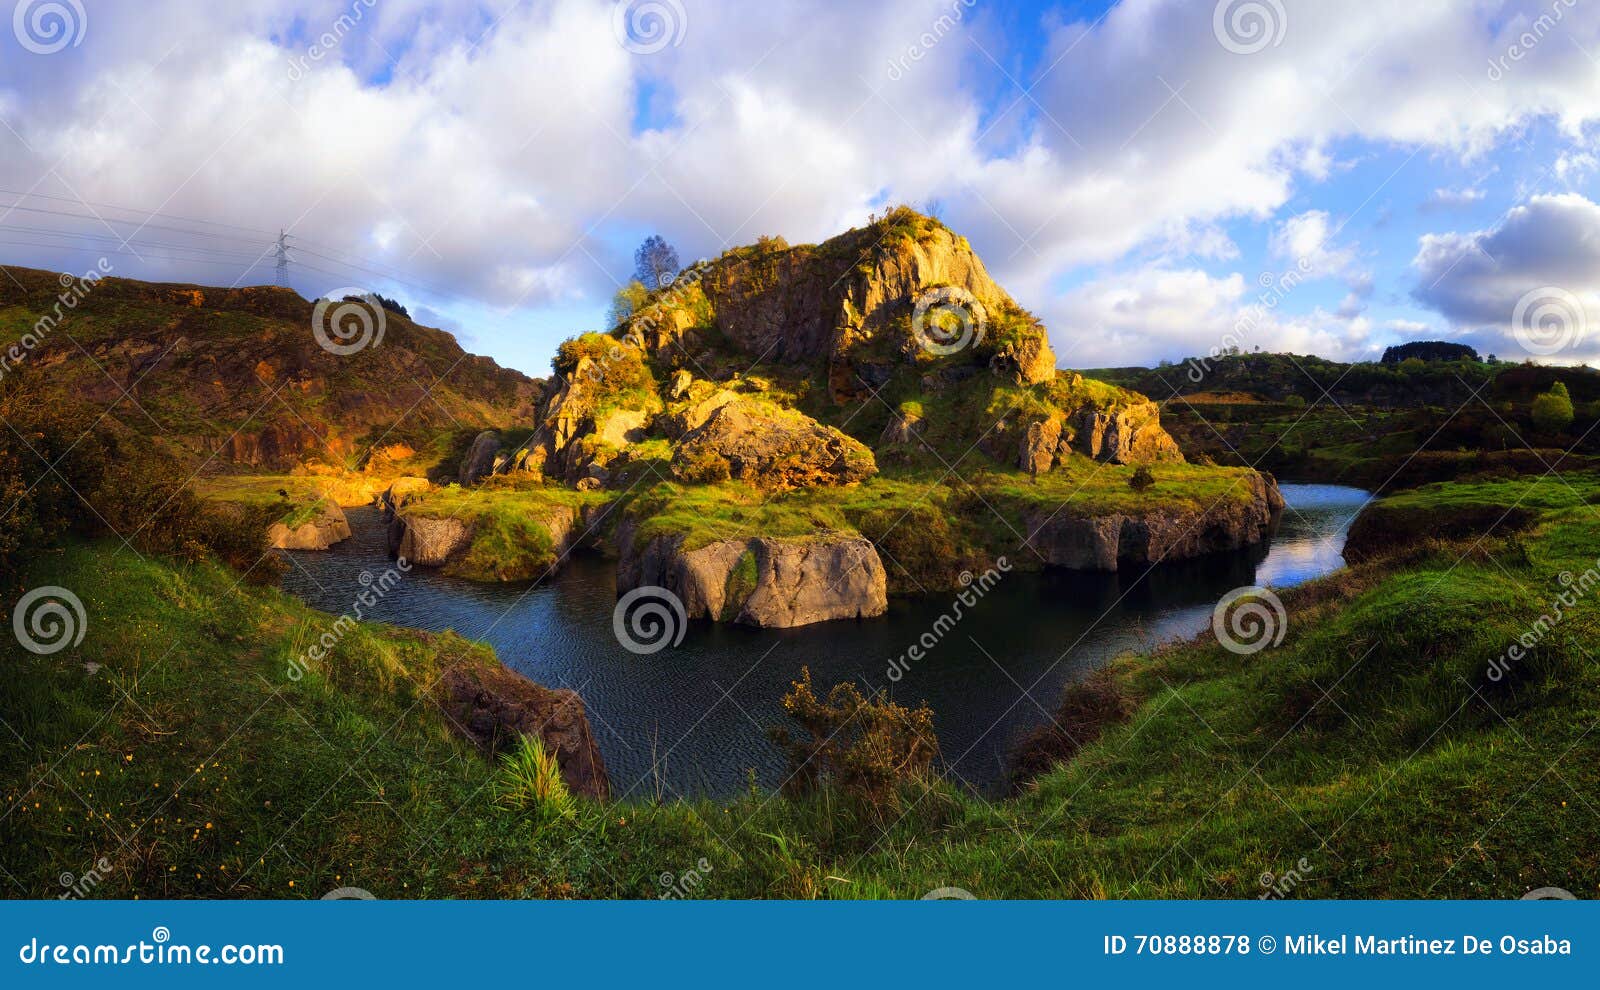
1156, 312
1530, 282
511, 153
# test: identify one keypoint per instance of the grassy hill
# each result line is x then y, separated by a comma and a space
1386, 748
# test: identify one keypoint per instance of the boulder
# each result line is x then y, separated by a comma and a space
480, 460
772, 448
494, 707
1039, 445
1028, 360
329, 527
398, 493
426, 540
762, 581
1126, 435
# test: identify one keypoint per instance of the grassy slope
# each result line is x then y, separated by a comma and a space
1404, 782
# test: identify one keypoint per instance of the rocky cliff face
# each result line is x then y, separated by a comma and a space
1106, 542
761, 581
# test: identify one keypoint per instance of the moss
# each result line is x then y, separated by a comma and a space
740, 585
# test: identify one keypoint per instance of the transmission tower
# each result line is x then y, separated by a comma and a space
282, 250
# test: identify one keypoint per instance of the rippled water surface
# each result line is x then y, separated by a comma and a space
701, 708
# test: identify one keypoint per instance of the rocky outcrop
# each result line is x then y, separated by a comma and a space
426, 540
761, 581
771, 448
1103, 543
494, 707
480, 460
1127, 435
1040, 443
1028, 360
327, 528
393, 498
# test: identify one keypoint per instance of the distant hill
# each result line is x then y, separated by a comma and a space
238, 377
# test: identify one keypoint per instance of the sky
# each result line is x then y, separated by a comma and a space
1154, 179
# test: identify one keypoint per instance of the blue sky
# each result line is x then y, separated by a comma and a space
1131, 172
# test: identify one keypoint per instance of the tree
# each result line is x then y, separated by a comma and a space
1552, 410
627, 300
655, 264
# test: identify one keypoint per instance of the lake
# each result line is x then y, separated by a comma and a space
699, 711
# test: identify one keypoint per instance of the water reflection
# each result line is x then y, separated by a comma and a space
702, 707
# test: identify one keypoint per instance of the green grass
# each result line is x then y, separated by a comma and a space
199, 769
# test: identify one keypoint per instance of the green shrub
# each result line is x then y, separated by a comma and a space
867, 748
1552, 410
1141, 479
529, 781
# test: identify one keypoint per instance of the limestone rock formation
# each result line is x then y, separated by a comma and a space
480, 460
327, 528
426, 540
772, 448
1162, 534
1129, 435
762, 581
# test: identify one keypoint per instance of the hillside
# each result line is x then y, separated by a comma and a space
1396, 424
237, 378
788, 434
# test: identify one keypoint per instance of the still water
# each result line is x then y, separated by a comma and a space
700, 709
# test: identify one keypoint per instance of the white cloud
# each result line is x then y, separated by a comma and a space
493, 151
1155, 313
1541, 261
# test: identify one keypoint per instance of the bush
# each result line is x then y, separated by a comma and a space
867, 748
1552, 410
1142, 479
529, 781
